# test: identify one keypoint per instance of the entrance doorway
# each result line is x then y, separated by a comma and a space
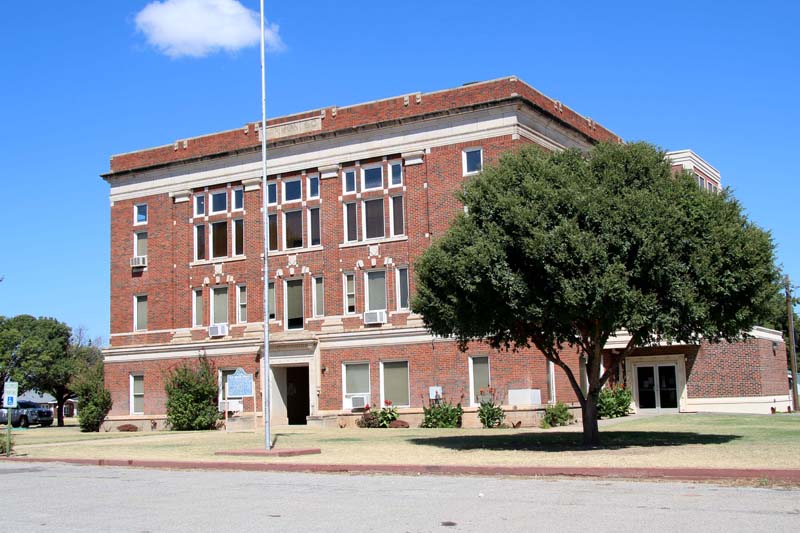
297, 403
657, 387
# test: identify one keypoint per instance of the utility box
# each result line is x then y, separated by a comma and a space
524, 397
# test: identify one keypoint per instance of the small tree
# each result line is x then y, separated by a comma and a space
568, 249
192, 396
94, 401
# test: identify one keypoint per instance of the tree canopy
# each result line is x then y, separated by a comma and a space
569, 248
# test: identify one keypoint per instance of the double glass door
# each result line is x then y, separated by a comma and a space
657, 386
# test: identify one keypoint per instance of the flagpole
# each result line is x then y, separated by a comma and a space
265, 381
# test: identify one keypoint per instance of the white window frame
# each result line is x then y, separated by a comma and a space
239, 302
308, 186
233, 237
317, 280
345, 394
397, 288
136, 312
210, 255
364, 177
464, 152
211, 306
205, 242
392, 232
344, 180
234, 190
398, 162
211, 196
136, 243
366, 289
286, 303
283, 190
272, 185
344, 291
364, 201
285, 227
194, 308
308, 226
136, 215
472, 391
131, 393
383, 383
344, 219
197, 198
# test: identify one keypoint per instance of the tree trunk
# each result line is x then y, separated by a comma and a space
60, 401
591, 434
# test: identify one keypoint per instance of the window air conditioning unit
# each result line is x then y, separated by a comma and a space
375, 317
218, 330
358, 402
139, 261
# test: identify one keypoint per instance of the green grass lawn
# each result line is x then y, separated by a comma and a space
730, 441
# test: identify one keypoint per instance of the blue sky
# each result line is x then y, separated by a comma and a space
84, 80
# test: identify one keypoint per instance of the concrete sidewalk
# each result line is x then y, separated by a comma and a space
791, 476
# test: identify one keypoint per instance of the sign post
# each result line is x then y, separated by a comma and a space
11, 391
240, 385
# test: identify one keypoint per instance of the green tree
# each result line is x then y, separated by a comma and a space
568, 249
192, 396
94, 401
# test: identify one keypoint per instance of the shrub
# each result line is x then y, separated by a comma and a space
557, 415
192, 397
442, 414
369, 419
373, 418
94, 401
614, 402
490, 413
3, 450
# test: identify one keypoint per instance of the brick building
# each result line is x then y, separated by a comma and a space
355, 195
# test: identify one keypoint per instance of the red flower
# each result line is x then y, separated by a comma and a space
366, 407
387, 403
491, 390
482, 392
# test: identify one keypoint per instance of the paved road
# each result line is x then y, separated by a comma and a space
82, 498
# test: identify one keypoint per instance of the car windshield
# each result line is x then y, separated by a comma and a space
26, 405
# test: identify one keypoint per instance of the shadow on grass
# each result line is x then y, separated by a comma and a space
570, 441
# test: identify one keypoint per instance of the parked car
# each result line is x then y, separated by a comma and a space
27, 413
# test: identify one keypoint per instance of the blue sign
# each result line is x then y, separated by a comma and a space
240, 384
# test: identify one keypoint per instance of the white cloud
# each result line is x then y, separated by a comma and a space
197, 28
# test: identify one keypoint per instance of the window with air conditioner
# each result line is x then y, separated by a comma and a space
394, 383
219, 306
355, 377
375, 293
140, 244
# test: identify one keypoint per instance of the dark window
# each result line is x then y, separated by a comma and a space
219, 202
219, 239
397, 215
402, 283
373, 178
238, 199
473, 160
350, 181
273, 232
238, 237
199, 242
294, 304
291, 190
352, 222
271, 300
314, 219
374, 218
313, 187
293, 226
397, 173
272, 193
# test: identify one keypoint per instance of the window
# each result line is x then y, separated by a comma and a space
402, 288
199, 242
313, 186
219, 239
219, 202
292, 190
272, 193
219, 305
396, 206
700, 181
140, 244
313, 226
294, 304
140, 312
472, 160
372, 178
356, 380
375, 296
238, 237
373, 219
137, 394
241, 304
349, 181
140, 214
319, 297
238, 199
271, 299
349, 294
395, 383
396, 173
293, 229
197, 308
479, 377
273, 232
350, 224
200, 205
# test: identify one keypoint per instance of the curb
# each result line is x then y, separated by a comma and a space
678, 474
